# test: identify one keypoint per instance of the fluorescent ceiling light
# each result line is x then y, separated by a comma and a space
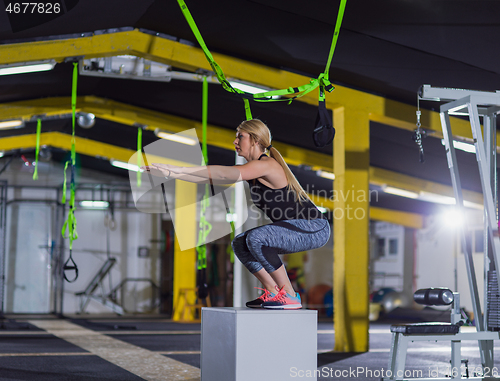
400, 192
326, 175
27, 67
447, 200
470, 204
248, 88
94, 204
430, 197
123, 165
175, 137
16, 123
467, 147
437, 198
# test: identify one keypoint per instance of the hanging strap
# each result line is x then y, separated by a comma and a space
70, 265
248, 112
38, 132
324, 132
204, 226
70, 223
73, 111
295, 92
204, 119
338, 23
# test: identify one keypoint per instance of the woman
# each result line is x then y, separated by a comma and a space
297, 224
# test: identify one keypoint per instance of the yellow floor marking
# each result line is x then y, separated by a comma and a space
146, 364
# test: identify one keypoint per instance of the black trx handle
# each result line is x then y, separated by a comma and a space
324, 132
67, 267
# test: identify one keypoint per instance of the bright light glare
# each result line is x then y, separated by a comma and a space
452, 218
175, 138
466, 147
400, 192
123, 165
321, 209
26, 68
94, 204
11, 123
231, 217
326, 175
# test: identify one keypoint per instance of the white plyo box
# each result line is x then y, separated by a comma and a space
244, 344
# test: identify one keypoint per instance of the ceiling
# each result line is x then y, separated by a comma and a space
388, 48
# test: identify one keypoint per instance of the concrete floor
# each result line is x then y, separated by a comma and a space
154, 348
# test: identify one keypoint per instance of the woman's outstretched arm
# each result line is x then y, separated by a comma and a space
217, 174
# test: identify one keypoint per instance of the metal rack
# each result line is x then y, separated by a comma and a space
476, 104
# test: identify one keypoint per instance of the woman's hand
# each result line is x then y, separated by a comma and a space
163, 170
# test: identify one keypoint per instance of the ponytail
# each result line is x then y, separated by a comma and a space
261, 134
293, 183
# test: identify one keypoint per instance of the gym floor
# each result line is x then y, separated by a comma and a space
154, 348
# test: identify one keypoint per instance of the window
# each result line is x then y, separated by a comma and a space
381, 247
479, 241
393, 246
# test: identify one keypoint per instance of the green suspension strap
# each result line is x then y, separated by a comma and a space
338, 23
324, 132
295, 92
70, 223
73, 113
204, 226
204, 119
248, 112
229, 248
38, 132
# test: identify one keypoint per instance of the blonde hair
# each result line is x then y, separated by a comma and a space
261, 134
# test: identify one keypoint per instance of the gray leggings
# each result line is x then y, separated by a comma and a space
259, 247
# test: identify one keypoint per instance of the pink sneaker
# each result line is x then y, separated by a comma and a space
284, 301
257, 303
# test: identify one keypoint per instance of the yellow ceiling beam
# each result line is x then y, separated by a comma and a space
381, 177
131, 115
191, 58
83, 146
410, 220
63, 141
378, 176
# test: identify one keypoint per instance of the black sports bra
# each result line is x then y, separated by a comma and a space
281, 204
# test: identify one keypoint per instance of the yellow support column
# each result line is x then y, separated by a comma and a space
184, 261
350, 233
